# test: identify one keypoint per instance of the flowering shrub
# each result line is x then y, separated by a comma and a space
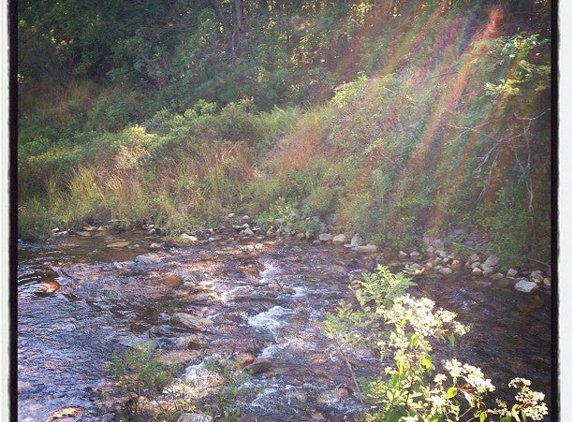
404, 329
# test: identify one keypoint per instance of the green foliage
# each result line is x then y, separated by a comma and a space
280, 214
141, 376
233, 389
184, 116
405, 329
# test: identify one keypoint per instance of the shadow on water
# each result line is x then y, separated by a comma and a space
82, 298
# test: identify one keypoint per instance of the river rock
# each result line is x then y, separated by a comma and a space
194, 417
339, 239
148, 258
258, 366
537, 276
49, 286
172, 280
325, 237
487, 271
244, 359
191, 342
369, 248
511, 273
187, 238
473, 258
415, 255
456, 265
525, 286
193, 322
445, 271
118, 245
356, 241
476, 271
491, 261
67, 414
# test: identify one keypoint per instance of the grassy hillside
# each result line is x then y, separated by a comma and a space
414, 127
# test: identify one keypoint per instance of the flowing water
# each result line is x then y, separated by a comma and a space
82, 298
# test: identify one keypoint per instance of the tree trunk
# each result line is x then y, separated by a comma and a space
221, 16
237, 39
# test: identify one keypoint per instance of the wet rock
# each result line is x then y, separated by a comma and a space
491, 261
193, 322
194, 417
339, 393
325, 237
356, 241
67, 414
49, 286
191, 342
258, 366
339, 239
525, 286
118, 245
180, 356
172, 280
244, 359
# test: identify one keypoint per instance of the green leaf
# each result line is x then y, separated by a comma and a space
451, 393
452, 339
426, 361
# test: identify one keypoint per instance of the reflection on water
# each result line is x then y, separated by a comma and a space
79, 300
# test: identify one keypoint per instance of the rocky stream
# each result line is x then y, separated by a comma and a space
81, 297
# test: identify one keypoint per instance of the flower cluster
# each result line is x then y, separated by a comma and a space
419, 313
529, 403
472, 375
